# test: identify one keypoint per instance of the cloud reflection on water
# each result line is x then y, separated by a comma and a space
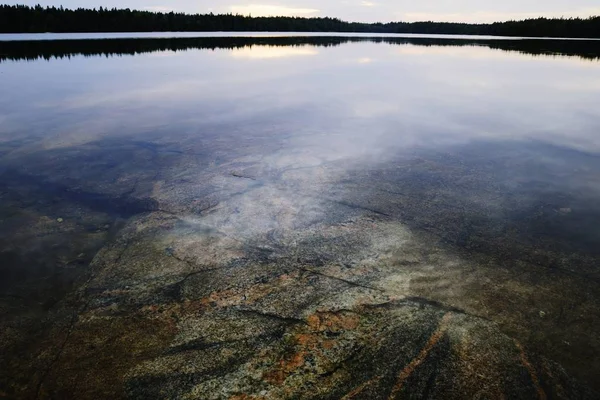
413, 95
269, 52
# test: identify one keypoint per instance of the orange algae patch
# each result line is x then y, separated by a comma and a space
418, 360
332, 322
534, 377
312, 344
285, 368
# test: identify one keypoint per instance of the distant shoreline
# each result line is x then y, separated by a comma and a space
25, 19
257, 34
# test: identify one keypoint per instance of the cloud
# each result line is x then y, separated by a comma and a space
491, 16
265, 10
368, 4
162, 9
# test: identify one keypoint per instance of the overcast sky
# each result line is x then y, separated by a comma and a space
360, 10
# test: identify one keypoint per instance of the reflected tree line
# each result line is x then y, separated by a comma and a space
22, 19
48, 49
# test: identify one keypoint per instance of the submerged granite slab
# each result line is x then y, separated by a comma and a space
331, 311
285, 277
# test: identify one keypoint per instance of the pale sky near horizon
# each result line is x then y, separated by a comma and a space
358, 10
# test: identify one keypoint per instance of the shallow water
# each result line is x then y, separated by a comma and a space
462, 172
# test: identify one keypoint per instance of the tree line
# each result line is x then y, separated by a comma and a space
25, 19
49, 49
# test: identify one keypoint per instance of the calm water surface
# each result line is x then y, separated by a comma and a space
487, 149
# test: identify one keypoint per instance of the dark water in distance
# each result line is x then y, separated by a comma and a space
179, 35
492, 146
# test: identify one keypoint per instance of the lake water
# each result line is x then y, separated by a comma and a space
299, 216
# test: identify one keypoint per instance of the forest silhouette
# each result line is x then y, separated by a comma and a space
25, 19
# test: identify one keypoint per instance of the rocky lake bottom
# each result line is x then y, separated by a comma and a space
278, 254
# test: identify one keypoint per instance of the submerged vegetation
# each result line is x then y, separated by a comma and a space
20, 18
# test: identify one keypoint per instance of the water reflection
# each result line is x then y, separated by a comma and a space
249, 149
47, 49
262, 51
